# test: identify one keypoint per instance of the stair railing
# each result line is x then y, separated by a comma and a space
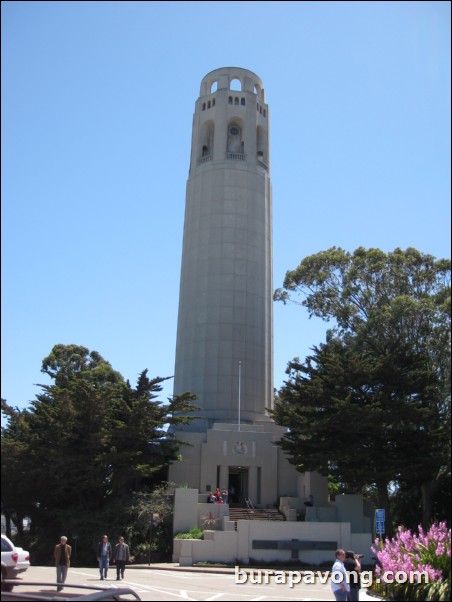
249, 505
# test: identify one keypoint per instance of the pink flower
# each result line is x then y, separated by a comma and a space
429, 551
440, 549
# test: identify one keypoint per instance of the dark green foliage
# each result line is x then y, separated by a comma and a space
406, 502
193, 533
371, 406
415, 592
141, 509
87, 445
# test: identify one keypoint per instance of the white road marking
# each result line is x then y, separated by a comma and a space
185, 596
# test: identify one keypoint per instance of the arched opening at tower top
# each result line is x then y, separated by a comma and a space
206, 141
235, 84
261, 145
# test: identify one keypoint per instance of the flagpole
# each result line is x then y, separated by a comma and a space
240, 379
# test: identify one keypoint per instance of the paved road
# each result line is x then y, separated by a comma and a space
162, 584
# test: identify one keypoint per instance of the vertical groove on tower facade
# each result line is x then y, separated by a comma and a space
225, 304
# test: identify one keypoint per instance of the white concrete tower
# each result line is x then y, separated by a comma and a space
226, 306
224, 350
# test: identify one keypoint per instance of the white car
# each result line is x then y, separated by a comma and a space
14, 561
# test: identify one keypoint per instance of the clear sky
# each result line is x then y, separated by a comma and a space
97, 105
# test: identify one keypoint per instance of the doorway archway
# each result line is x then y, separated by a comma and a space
238, 485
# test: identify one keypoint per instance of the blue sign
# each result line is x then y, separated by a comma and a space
380, 527
380, 514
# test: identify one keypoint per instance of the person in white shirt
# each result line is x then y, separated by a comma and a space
339, 577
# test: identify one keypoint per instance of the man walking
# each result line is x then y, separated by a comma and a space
103, 556
121, 556
62, 555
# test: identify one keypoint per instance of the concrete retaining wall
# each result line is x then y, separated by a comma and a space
236, 547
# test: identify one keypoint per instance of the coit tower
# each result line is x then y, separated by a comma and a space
224, 351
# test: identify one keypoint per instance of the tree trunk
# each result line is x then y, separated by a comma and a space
427, 490
7, 524
20, 528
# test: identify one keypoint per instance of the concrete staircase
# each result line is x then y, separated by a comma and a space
236, 514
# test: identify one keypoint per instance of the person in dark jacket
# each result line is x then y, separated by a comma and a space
104, 556
353, 567
121, 556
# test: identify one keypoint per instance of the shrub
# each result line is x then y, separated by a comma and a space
427, 552
193, 533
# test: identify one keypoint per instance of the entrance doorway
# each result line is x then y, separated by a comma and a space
238, 485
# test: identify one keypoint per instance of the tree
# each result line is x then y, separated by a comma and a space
385, 367
15, 471
353, 416
89, 441
155, 537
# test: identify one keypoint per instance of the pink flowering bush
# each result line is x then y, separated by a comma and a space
428, 552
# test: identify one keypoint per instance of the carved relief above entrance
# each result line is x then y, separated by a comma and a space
240, 447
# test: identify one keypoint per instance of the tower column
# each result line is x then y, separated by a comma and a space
252, 484
226, 289
224, 477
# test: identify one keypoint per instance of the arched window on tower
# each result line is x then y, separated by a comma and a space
235, 148
235, 84
206, 142
261, 146
214, 87
259, 92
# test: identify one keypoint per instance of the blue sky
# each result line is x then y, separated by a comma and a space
97, 105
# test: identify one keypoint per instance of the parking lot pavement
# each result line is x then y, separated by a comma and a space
169, 582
